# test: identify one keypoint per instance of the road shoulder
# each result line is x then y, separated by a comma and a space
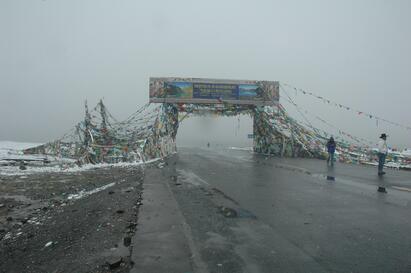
162, 242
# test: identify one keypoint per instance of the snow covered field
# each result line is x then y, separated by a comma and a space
14, 170
13, 150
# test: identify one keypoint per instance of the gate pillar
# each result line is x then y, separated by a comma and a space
266, 139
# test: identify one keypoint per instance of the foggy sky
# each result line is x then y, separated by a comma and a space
55, 54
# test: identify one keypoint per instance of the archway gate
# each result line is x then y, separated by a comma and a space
274, 132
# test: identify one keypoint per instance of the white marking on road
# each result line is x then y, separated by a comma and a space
401, 188
241, 148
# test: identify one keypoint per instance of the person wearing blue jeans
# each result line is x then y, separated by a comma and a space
382, 153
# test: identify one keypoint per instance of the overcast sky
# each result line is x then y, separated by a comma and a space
55, 54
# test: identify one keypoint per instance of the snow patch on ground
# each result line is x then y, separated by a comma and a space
83, 193
14, 170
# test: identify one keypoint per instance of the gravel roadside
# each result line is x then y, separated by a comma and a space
60, 223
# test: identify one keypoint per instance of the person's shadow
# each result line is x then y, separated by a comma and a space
381, 184
330, 173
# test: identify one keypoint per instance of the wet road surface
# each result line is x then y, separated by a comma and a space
301, 221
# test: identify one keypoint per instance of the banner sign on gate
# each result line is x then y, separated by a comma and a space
211, 91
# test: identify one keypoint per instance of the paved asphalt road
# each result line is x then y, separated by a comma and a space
302, 221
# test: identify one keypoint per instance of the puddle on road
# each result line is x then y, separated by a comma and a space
191, 178
243, 213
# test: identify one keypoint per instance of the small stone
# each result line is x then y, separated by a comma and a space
48, 244
114, 262
127, 241
9, 218
111, 192
120, 211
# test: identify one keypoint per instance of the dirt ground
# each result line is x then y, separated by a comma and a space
45, 225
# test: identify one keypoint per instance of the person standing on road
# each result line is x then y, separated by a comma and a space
331, 150
382, 153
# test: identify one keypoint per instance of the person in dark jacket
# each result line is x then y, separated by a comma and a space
331, 150
382, 153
